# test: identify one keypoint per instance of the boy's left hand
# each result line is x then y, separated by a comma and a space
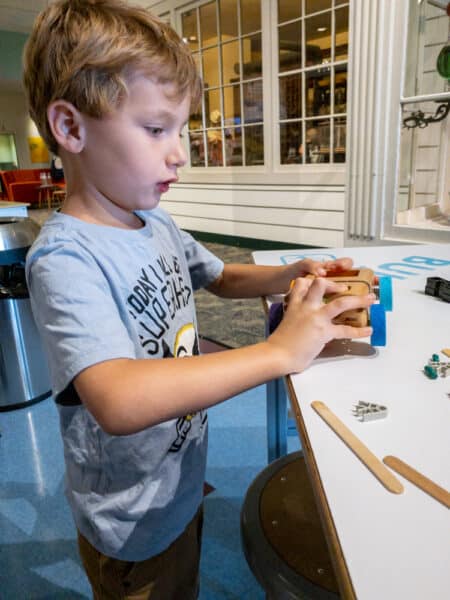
321, 269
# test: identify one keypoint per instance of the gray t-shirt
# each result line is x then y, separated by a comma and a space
100, 293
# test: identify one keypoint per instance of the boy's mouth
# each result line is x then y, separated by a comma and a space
163, 186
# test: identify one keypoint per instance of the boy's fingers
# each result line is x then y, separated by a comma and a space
321, 286
333, 287
299, 289
348, 332
340, 264
344, 303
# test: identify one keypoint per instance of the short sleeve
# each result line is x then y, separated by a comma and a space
204, 266
75, 311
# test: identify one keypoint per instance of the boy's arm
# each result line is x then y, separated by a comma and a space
126, 396
250, 281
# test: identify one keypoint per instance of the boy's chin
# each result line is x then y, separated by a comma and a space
148, 203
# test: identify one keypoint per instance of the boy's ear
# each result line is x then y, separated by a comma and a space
67, 125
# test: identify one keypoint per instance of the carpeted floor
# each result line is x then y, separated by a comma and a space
233, 323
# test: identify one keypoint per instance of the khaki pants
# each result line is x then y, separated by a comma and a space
171, 575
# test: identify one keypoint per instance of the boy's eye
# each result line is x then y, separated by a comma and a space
155, 130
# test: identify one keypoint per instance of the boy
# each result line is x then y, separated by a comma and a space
111, 280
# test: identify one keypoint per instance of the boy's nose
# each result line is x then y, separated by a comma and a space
177, 155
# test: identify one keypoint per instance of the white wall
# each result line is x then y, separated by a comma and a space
300, 214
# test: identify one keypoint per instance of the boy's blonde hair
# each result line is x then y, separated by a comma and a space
85, 51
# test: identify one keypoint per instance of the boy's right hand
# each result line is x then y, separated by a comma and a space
308, 325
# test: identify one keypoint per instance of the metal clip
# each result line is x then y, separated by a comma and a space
368, 411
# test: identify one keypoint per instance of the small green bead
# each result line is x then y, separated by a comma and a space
435, 358
430, 372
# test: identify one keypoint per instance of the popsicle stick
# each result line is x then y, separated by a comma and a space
374, 465
422, 482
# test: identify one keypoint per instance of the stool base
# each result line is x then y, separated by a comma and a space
282, 535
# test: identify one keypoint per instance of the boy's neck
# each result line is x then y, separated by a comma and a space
84, 210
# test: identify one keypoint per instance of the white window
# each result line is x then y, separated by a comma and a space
423, 196
231, 42
312, 80
225, 38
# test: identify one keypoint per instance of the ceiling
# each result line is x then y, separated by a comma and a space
19, 15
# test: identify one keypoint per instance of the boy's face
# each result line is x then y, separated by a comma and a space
131, 157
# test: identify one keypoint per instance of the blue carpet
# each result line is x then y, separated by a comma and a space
38, 551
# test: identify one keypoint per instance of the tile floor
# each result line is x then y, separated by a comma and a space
38, 552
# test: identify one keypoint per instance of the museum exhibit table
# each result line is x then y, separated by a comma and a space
382, 544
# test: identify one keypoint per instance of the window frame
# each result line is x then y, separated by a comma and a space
391, 230
273, 172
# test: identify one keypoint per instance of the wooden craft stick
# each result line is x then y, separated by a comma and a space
446, 351
422, 482
374, 465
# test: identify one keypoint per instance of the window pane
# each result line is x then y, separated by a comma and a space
317, 141
211, 72
195, 119
214, 137
340, 90
228, 19
198, 61
212, 108
318, 39
340, 129
319, 136
341, 42
289, 10
216, 133
254, 145
289, 46
232, 104
312, 6
290, 142
189, 29
306, 93
317, 92
428, 33
252, 56
197, 149
208, 24
250, 16
253, 104
233, 147
230, 62
291, 96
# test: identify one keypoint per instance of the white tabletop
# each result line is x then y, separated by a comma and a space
13, 209
395, 546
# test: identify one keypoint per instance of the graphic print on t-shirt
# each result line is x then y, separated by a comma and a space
159, 294
186, 344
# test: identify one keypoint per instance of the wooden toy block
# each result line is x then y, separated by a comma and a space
359, 282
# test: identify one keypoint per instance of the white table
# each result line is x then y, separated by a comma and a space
384, 546
13, 209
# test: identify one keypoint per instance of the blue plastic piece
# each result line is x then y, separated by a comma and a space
385, 292
378, 323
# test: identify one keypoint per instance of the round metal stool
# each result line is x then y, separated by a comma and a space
282, 535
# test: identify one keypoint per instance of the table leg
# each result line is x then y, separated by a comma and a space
276, 407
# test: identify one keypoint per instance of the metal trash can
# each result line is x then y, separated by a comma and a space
24, 374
